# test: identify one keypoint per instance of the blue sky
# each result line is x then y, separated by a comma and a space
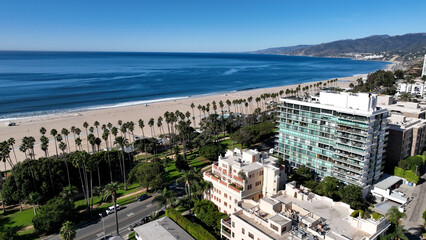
198, 25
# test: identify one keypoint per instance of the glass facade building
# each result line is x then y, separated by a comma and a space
344, 142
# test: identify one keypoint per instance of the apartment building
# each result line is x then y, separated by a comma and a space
424, 66
337, 134
243, 175
408, 109
407, 137
418, 88
296, 213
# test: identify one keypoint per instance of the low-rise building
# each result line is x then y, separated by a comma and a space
296, 213
161, 229
417, 88
406, 138
408, 109
243, 175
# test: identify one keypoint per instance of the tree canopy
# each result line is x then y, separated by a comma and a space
148, 175
51, 216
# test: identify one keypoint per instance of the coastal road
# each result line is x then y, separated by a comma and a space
129, 214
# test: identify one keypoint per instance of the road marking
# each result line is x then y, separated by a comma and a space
149, 205
100, 234
130, 214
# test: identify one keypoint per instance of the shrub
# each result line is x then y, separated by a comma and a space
355, 213
196, 230
212, 151
51, 216
376, 216
411, 176
399, 172
208, 213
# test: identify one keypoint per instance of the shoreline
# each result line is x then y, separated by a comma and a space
30, 126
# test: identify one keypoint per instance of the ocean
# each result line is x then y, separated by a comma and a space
42, 83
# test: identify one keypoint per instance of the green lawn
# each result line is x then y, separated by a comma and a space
16, 218
229, 145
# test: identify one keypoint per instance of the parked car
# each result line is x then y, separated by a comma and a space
11, 124
143, 197
144, 220
132, 226
111, 209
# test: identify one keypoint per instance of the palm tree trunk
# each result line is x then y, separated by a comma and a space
91, 189
68, 172
56, 146
1, 194
109, 162
124, 169
99, 175
82, 184
14, 154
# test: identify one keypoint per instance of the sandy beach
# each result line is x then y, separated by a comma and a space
31, 126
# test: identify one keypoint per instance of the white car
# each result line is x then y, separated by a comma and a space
111, 209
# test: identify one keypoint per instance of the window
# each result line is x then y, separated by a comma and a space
243, 231
249, 187
274, 227
226, 204
226, 195
233, 224
233, 235
251, 235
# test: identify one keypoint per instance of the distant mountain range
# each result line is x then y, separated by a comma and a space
376, 44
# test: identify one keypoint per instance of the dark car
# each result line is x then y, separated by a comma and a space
132, 226
144, 220
143, 197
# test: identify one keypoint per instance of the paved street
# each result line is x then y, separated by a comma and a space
414, 221
129, 214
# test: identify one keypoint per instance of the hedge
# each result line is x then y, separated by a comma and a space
407, 174
196, 230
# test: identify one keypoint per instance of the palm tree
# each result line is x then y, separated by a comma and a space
77, 131
34, 199
192, 107
45, 147
78, 143
65, 132
122, 142
63, 147
68, 191
160, 123
111, 190
79, 162
53, 132
96, 124
105, 136
67, 231
184, 129
151, 125
11, 142
167, 197
86, 125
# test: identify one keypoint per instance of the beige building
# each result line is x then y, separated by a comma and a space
296, 213
263, 177
407, 109
407, 137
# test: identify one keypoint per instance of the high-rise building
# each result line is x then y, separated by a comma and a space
243, 175
336, 134
424, 67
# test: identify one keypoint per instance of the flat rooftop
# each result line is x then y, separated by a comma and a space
164, 229
335, 216
262, 228
237, 160
386, 181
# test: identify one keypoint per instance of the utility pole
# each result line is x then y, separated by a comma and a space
103, 223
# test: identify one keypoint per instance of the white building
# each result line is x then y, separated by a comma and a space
296, 213
263, 177
416, 89
424, 67
161, 229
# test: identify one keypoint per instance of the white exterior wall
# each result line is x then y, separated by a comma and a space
358, 101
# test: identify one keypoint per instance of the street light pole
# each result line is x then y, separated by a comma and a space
103, 223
